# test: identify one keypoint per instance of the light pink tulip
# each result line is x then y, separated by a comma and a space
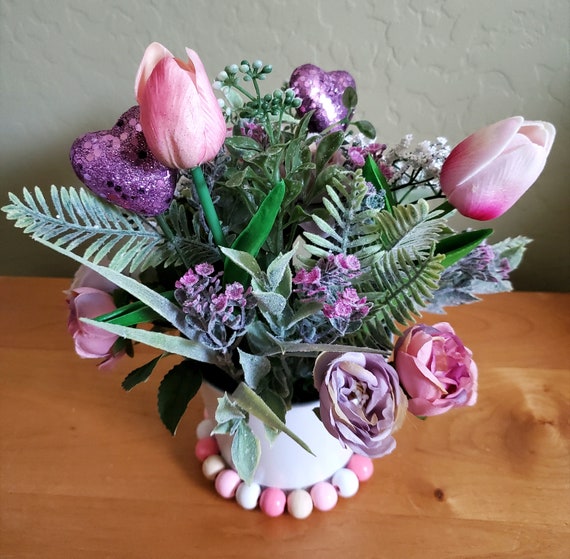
180, 116
490, 170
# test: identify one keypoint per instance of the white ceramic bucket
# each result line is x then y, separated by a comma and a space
284, 464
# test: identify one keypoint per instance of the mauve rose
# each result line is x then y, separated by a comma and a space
87, 277
435, 369
361, 401
88, 297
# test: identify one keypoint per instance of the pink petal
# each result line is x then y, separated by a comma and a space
497, 187
153, 54
91, 302
476, 152
540, 133
171, 117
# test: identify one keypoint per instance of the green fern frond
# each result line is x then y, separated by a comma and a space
401, 284
372, 334
408, 227
348, 229
76, 218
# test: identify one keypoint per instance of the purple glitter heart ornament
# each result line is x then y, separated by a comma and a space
118, 166
322, 92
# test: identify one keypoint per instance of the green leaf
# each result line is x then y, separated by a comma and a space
255, 368
133, 313
242, 146
176, 390
455, 247
228, 413
141, 374
254, 404
365, 127
245, 261
372, 174
176, 345
252, 238
327, 148
349, 98
246, 451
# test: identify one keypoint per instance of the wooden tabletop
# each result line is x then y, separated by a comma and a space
88, 471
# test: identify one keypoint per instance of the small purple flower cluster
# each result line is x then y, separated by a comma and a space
329, 282
221, 314
256, 132
356, 154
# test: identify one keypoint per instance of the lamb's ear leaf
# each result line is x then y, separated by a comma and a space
246, 451
176, 345
161, 305
248, 400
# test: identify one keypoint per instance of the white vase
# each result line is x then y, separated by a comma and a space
284, 464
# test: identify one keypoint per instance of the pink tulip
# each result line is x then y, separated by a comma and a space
491, 169
180, 116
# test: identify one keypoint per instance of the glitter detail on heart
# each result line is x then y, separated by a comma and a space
322, 92
118, 166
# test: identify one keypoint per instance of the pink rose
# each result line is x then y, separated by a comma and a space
490, 170
180, 116
435, 369
361, 402
89, 296
86, 277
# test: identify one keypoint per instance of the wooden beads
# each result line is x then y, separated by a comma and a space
272, 501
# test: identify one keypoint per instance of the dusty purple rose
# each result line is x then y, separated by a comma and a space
361, 402
435, 369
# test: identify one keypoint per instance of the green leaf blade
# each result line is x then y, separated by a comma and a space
139, 375
176, 390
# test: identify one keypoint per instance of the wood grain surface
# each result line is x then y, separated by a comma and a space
88, 471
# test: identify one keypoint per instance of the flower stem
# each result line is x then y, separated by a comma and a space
208, 206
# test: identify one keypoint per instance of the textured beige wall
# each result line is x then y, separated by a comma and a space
433, 68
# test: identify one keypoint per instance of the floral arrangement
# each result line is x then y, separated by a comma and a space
271, 246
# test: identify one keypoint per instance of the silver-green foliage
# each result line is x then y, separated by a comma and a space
76, 218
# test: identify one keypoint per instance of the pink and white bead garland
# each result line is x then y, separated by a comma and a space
299, 503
